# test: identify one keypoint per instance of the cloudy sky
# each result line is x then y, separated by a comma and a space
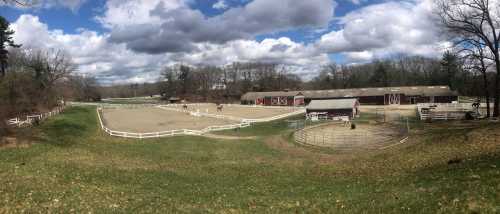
126, 41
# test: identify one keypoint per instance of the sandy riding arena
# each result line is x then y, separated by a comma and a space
151, 119
338, 137
240, 111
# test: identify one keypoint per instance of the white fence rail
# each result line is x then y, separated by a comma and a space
175, 107
443, 111
30, 119
200, 114
109, 105
226, 117
301, 111
170, 133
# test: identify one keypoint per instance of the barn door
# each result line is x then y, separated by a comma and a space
393, 99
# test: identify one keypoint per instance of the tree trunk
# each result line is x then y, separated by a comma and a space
486, 93
2, 69
496, 109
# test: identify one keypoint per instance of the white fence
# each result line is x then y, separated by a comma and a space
301, 111
199, 114
175, 107
443, 111
30, 119
226, 117
109, 105
167, 133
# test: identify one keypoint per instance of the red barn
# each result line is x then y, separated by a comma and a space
367, 96
276, 99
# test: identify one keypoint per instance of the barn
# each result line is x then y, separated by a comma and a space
283, 98
366, 96
334, 108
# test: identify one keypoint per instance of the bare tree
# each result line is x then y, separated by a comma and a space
478, 60
24, 3
48, 68
470, 19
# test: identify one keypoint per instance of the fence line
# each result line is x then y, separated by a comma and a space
301, 111
226, 117
170, 133
110, 105
343, 141
200, 114
175, 107
30, 119
443, 111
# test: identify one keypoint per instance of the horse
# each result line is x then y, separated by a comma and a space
185, 107
220, 107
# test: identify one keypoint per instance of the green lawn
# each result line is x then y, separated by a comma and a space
73, 167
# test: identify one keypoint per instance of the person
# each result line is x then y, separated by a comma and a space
476, 105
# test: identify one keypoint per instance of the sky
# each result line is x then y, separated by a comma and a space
131, 41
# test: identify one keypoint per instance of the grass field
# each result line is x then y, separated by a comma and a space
71, 166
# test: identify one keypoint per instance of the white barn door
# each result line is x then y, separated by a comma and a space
393, 99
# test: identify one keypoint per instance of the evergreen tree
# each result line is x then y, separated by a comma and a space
451, 69
5, 42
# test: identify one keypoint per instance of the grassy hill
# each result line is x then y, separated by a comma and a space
71, 166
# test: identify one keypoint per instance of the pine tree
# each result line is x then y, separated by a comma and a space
5, 42
451, 68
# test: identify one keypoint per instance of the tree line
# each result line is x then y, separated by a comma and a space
401, 70
201, 83
36, 80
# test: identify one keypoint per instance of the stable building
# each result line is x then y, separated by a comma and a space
275, 99
366, 96
334, 108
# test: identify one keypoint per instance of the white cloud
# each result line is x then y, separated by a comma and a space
355, 1
73, 5
282, 50
220, 5
121, 13
175, 33
114, 63
111, 63
383, 29
361, 56
163, 26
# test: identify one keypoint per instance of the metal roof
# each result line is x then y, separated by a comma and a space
359, 92
332, 104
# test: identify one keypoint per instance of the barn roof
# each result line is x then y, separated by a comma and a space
255, 95
359, 92
332, 104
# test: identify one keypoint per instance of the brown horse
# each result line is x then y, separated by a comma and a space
220, 107
185, 107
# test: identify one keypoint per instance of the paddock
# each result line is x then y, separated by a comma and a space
239, 111
339, 137
152, 119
